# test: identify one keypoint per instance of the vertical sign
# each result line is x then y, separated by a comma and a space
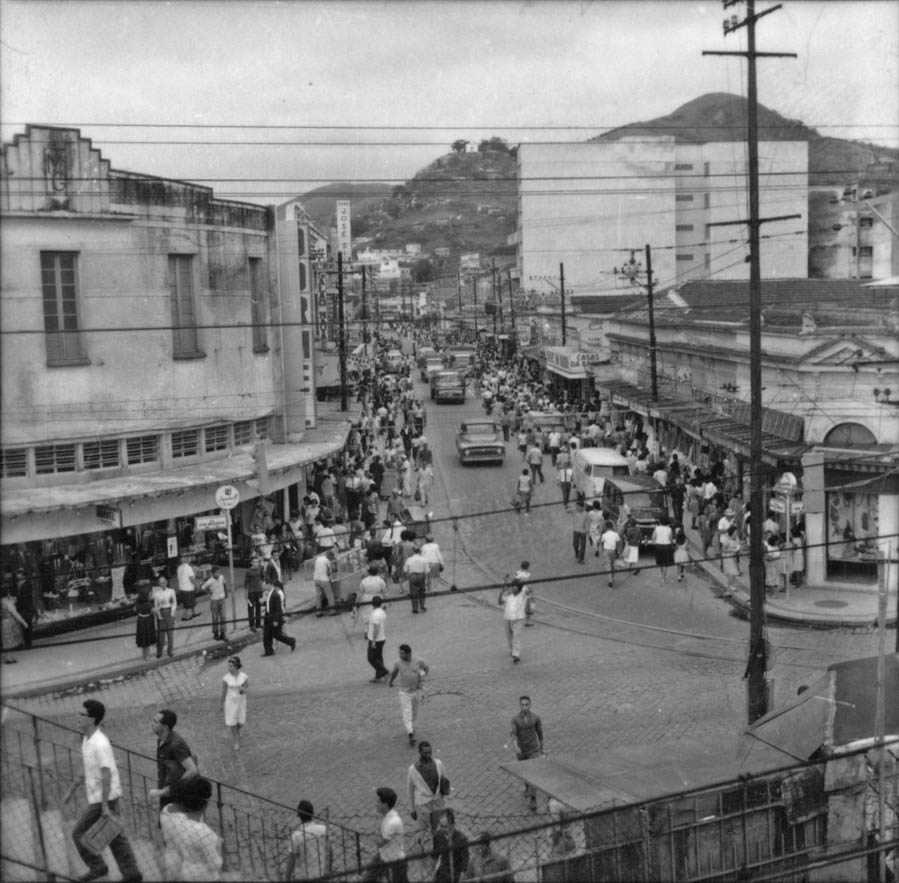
344, 233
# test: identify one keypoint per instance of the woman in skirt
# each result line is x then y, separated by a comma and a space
663, 540
730, 548
681, 555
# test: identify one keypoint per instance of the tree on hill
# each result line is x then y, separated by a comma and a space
422, 271
459, 145
496, 144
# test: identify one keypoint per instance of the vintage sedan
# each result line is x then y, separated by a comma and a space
480, 441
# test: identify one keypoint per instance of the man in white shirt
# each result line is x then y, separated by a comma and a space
322, 576
554, 443
610, 543
390, 861
416, 570
513, 599
430, 551
310, 853
376, 636
187, 589
101, 779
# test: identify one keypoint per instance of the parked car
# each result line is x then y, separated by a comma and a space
544, 422
639, 496
447, 386
480, 441
592, 466
424, 353
394, 361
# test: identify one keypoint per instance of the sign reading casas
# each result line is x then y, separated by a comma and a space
571, 360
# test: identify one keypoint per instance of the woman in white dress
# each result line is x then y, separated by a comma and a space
234, 698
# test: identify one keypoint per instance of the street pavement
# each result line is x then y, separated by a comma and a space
646, 663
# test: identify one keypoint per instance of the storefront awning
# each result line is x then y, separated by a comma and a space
571, 362
738, 438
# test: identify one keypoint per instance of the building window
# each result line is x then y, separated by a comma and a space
866, 222
684, 197
301, 242
54, 458
866, 251
184, 318
258, 312
684, 257
243, 433
683, 167
185, 443
683, 228
707, 170
14, 462
216, 438
262, 428
304, 284
707, 261
101, 454
59, 284
142, 449
708, 200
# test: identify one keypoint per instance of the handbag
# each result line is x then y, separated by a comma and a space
417, 495
444, 787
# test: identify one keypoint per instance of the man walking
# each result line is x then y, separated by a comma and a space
376, 637
218, 591
411, 672
565, 476
610, 543
101, 780
322, 576
174, 760
579, 530
513, 599
427, 784
523, 491
527, 739
273, 601
450, 849
430, 551
535, 462
416, 570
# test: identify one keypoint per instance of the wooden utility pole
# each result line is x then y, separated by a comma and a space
757, 664
562, 295
653, 367
511, 306
341, 336
474, 294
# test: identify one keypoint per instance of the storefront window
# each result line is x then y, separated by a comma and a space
852, 529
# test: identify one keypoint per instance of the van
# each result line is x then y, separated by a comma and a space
432, 365
639, 496
592, 466
394, 361
447, 386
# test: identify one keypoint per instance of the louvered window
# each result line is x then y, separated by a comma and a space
216, 438
54, 458
142, 449
14, 462
243, 433
184, 317
186, 443
262, 428
59, 286
101, 454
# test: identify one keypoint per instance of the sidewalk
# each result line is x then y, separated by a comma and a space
828, 606
108, 652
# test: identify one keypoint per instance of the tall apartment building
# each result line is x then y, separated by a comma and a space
587, 205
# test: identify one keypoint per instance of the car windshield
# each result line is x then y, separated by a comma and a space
479, 428
644, 500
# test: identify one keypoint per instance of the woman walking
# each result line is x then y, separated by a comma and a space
234, 699
145, 636
730, 550
12, 625
663, 540
681, 555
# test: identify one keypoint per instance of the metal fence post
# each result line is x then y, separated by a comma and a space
39, 824
37, 756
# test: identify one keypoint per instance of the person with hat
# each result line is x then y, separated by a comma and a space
416, 569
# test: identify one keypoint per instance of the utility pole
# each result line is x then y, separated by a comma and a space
653, 368
757, 664
341, 337
474, 294
364, 313
562, 293
497, 297
511, 305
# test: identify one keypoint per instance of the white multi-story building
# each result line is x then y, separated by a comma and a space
586, 205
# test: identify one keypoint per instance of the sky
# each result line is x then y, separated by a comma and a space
278, 98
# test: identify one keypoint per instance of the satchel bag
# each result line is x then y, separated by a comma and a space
444, 787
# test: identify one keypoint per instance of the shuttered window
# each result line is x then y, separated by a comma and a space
243, 433
54, 458
14, 462
59, 286
186, 443
216, 438
104, 454
262, 428
184, 317
142, 449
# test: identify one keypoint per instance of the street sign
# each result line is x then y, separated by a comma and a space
210, 522
777, 505
227, 496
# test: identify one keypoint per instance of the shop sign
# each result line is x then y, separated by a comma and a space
109, 515
572, 360
227, 496
210, 522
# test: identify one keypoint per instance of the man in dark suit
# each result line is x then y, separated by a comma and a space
273, 600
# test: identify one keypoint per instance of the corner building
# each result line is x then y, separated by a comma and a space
153, 351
